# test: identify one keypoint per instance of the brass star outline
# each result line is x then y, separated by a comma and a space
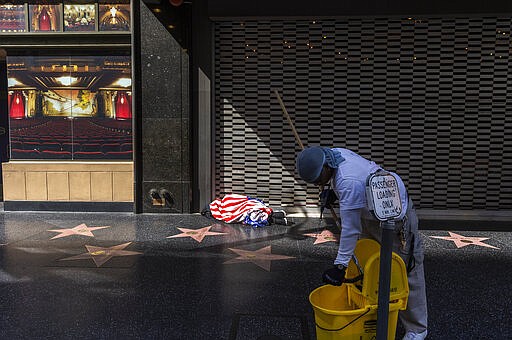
462, 241
81, 229
196, 234
324, 236
100, 255
262, 257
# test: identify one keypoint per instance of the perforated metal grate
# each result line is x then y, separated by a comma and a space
426, 97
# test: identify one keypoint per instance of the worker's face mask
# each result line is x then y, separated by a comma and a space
325, 176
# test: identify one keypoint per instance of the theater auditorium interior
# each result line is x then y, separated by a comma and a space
70, 107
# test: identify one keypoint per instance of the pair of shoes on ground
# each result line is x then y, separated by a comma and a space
415, 336
279, 217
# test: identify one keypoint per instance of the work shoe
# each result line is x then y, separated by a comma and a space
279, 217
415, 336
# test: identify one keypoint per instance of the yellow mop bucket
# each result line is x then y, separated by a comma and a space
337, 317
349, 312
367, 253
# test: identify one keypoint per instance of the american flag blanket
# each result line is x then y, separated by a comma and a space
234, 208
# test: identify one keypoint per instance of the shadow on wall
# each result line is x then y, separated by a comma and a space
273, 180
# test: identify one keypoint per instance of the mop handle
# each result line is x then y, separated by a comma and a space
289, 120
297, 138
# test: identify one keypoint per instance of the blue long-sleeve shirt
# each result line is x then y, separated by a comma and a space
349, 184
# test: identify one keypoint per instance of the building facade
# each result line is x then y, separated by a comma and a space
422, 89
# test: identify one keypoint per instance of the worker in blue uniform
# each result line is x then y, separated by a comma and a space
346, 172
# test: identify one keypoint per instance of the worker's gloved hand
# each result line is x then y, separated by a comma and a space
327, 198
334, 276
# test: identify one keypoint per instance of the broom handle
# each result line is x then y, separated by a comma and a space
333, 213
289, 120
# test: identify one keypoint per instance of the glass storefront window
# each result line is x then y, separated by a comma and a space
69, 108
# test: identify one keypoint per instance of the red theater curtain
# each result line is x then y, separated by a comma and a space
17, 108
123, 106
44, 20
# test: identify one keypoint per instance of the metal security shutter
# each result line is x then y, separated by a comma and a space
426, 97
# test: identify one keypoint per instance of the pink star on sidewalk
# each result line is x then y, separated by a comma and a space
261, 257
196, 234
324, 236
81, 229
101, 255
462, 241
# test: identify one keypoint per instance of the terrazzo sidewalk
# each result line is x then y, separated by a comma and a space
154, 276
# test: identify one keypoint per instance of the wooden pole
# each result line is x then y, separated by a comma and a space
297, 138
289, 120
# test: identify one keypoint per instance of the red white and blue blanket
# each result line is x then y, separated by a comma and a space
234, 208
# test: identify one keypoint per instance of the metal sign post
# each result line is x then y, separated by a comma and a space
384, 202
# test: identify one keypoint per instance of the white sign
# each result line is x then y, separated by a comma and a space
383, 196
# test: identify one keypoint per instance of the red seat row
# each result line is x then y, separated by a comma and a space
72, 147
50, 154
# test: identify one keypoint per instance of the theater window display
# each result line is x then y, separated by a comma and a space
67, 16
79, 17
77, 107
66, 99
12, 18
45, 18
114, 17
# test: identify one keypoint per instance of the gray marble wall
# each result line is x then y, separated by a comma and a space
165, 152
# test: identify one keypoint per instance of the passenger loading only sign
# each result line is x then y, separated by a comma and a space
383, 196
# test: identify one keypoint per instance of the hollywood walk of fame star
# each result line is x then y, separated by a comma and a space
462, 241
100, 255
81, 229
196, 234
324, 236
261, 257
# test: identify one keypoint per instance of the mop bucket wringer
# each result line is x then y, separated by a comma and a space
349, 312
